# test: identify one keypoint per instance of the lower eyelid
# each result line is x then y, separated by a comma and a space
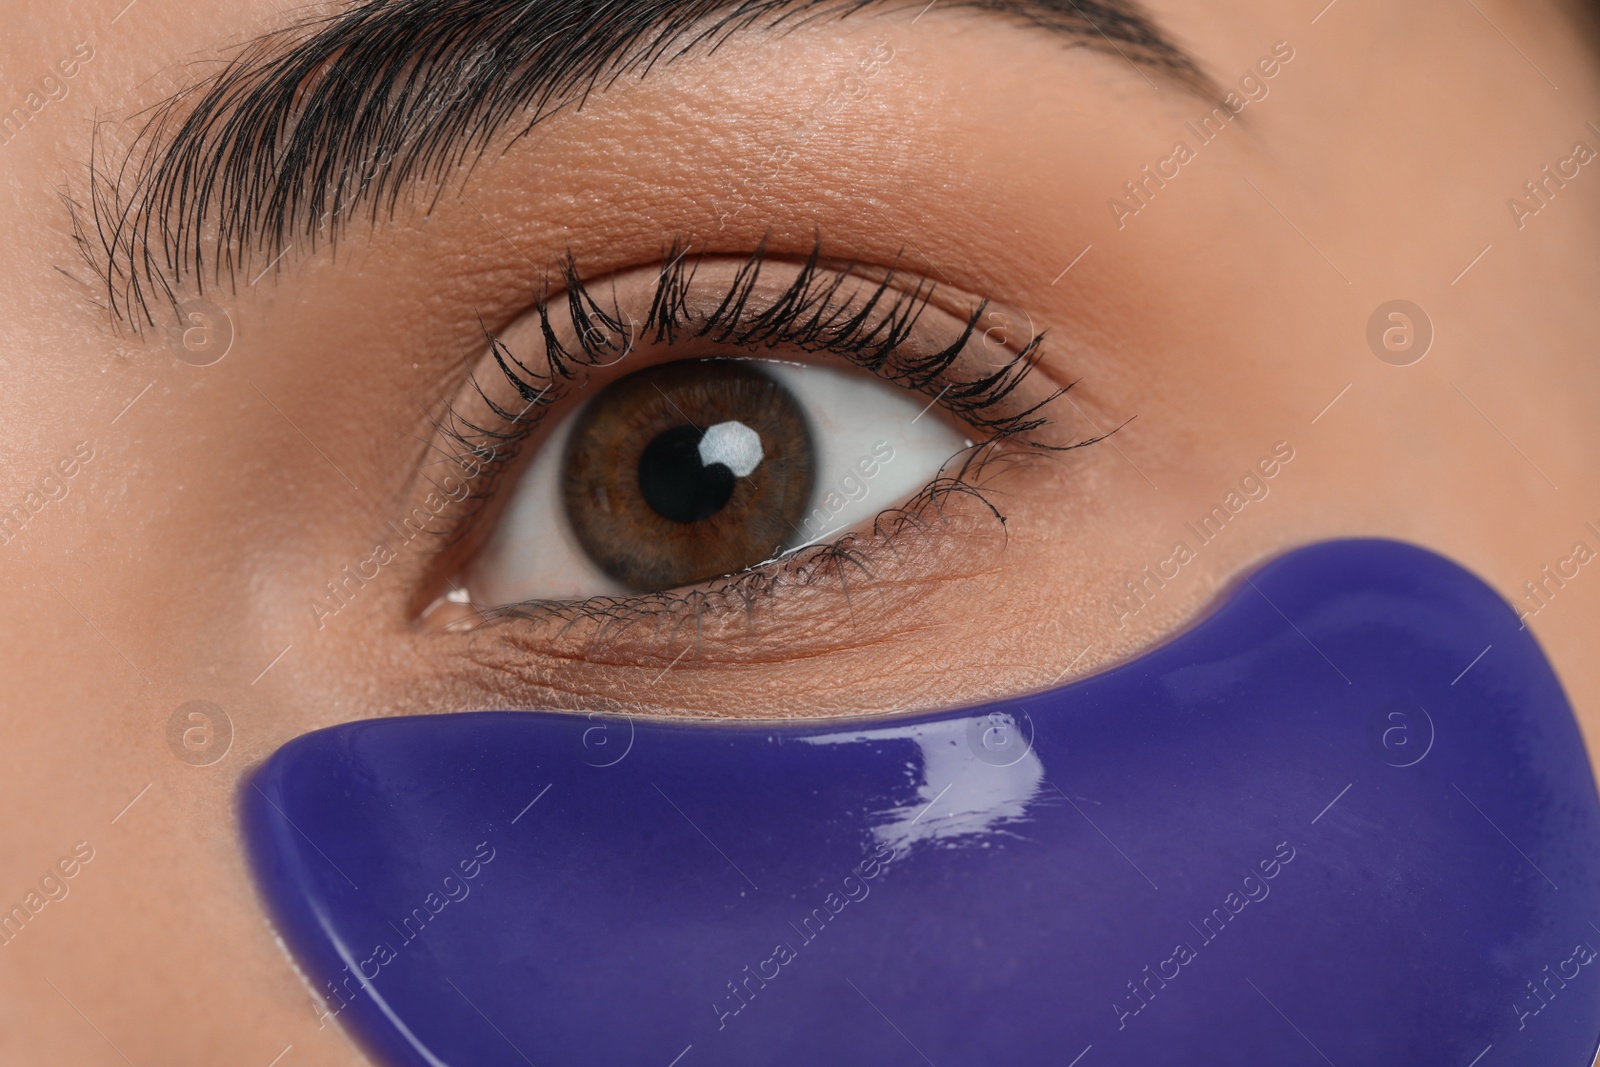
896, 565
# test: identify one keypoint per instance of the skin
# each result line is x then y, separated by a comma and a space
1225, 315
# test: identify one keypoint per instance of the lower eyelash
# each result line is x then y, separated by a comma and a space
675, 611
670, 613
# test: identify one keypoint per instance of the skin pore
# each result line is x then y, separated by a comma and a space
1224, 310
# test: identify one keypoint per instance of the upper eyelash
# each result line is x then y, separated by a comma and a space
869, 333
808, 318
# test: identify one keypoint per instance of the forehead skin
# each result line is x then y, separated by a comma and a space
1228, 314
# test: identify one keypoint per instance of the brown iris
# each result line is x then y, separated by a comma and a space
688, 471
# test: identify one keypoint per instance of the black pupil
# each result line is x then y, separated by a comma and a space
677, 483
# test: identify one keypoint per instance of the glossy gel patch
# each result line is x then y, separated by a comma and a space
1346, 819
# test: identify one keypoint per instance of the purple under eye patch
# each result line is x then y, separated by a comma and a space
1347, 818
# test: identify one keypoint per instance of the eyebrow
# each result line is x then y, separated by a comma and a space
339, 114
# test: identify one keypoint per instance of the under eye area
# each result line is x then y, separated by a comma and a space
699, 469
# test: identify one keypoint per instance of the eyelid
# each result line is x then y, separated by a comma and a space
878, 318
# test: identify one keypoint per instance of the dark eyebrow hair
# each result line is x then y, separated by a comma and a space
346, 110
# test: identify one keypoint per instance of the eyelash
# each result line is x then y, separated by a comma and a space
869, 333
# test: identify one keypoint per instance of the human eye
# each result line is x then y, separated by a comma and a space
715, 431
701, 469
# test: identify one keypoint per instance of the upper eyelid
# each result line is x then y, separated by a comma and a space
281, 142
804, 315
